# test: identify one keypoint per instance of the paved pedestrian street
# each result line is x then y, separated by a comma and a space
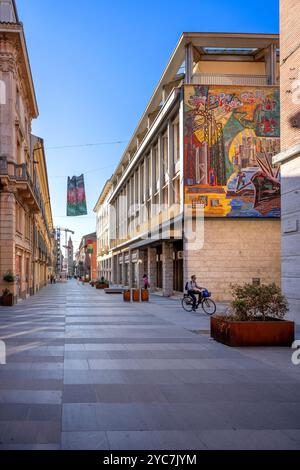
87, 371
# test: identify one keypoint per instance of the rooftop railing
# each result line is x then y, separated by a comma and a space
229, 79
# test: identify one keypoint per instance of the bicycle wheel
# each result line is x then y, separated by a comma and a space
209, 306
187, 304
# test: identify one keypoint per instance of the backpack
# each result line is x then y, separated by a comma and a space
187, 286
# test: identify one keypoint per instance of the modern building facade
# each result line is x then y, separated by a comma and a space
195, 191
289, 158
26, 226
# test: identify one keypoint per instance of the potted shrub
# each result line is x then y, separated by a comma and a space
254, 318
7, 299
9, 277
102, 283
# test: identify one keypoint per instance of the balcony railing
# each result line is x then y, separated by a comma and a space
229, 79
19, 173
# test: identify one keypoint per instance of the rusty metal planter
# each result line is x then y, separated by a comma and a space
136, 295
145, 295
7, 300
253, 333
127, 295
102, 286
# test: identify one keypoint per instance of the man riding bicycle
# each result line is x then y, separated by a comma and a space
192, 289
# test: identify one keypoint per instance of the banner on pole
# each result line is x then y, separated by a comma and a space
76, 204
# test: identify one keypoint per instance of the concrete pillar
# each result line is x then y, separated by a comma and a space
117, 270
151, 271
130, 280
141, 268
123, 269
270, 62
167, 254
189, 63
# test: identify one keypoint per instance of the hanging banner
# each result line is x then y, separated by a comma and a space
76, 204
90, 247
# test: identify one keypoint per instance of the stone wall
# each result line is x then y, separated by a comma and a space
235, 251
290, 198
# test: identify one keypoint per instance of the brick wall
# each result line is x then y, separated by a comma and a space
290, 72
235, 251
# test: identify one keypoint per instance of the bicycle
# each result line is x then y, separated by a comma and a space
207, 304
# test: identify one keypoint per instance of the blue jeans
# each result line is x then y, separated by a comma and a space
192, 294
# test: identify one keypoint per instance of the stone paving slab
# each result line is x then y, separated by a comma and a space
86, 371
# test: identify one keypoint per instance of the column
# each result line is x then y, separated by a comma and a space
123, 269
189, 63
141, 268
152, 273
270, 62
130, 280
167, 253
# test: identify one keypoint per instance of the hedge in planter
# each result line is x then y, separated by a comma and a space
255, 318
102, 284
9, 277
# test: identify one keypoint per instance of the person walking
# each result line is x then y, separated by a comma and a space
146, 282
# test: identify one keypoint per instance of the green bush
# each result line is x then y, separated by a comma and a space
257, 302
9, 277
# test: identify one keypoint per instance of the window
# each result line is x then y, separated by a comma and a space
165, 155
156, 167
215, 203
177, 191
18, 219
19, 153
165, 196
142, 185
27, 226
176, 141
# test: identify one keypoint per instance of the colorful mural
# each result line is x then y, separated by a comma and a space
231, 134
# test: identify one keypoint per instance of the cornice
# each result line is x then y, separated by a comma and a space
12, 41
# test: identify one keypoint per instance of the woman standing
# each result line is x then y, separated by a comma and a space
146, 281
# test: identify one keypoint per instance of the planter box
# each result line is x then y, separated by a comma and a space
102, 286
145, 295
127, 296
136, 295
7, 300
253, 333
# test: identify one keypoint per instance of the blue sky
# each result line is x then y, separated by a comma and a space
95, 65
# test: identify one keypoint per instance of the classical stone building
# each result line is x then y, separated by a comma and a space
289, 158
26, 226
195, 191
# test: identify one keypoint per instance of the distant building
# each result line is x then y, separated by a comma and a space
86, 257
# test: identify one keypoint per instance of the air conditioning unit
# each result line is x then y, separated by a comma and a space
180, 255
